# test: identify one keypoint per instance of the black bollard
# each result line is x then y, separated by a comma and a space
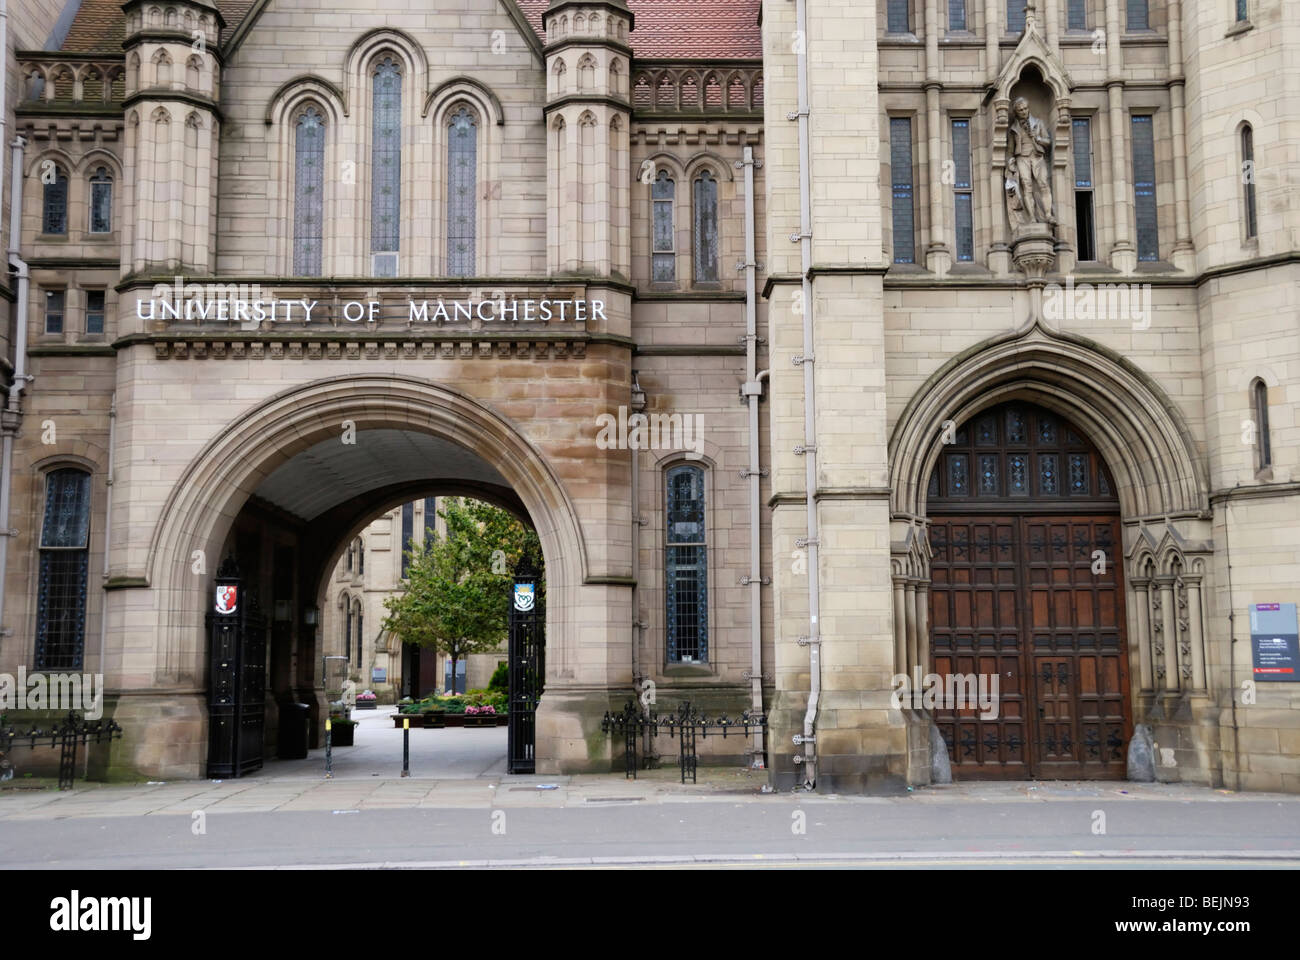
329, 772
406, 746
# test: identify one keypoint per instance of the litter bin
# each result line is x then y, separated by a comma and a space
295, 727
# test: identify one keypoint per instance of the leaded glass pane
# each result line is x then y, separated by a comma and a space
1144, 188
956, 14
308, 193
662, 195
430, 517
896, 17
986, 432
101, 202
961, 153
1048, 474
1079, 485
64, 562
958, 475
462, 186
988, 478
1015, 426
94, 311
1081, 140
1017, 474
67, 510
1015, 15
1076, 15
1242, 12
1248, 178
1138, 18
965, 227
706, 228
54, 304
1046, 430
900, 164
686, 573
386, 158
54, 218
408, 531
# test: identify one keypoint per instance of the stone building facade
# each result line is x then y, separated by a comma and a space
934, 382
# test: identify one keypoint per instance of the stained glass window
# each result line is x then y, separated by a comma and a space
1081, 140
64, 563
462, 184
1015, 16
1264, 445
706, 228
386, 165
430, 517
54, 219
896, 17
965, 228
101, 201
347, 619
1076, 15
900, 166
408, 532
308, 193
1144, 188
1138, 15
956, 14
662, 195
686, 573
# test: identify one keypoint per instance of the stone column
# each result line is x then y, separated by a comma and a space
1141, 589
1169, 633
937, 256
1123, 253
1184, 255
1194, 632
900, 625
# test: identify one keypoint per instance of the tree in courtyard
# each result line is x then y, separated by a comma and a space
456, 599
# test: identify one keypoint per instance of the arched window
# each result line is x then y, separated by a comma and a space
54, 211
308, 192
706, 228
64, 563
686, 567
101, 201
360, 631
386, 168
1263, 445
1248, 179
462, 186
664, 255
351, 547
347, 623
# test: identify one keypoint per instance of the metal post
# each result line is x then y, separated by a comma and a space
406, 746
329, 772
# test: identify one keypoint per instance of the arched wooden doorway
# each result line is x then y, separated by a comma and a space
1026, 584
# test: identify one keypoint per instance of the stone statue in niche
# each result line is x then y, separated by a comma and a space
1028, 181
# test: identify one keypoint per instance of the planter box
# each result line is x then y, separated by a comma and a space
416, 720
366, 704
434, 721
342, 734
503, 719
454, 719
480, 720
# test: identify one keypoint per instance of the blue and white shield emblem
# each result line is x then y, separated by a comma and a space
523, 597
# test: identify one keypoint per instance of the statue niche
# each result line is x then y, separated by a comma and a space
1029, 169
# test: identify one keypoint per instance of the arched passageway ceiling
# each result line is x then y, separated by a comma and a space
332, 473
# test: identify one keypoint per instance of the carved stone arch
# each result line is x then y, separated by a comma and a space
62, 160
160, 56
663, 160
713, 95
369, 49
308, 86
617, 77
169, 17
155, 17
579, 23
99, 157
478, 93
690, 90
728, 91
642, 92
594, 23
587, 119
160, 115
721, 169
193, 119
189, 21
586, 73
1139, 431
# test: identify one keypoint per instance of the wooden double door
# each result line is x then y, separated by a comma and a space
1026, 599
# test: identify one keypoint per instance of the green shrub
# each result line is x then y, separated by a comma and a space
500, 677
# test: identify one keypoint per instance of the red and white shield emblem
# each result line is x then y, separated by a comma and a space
226, 598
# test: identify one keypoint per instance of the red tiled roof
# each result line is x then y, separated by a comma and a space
100, 25
683, 29
664, 29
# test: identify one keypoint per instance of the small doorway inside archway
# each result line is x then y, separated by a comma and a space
1026, 600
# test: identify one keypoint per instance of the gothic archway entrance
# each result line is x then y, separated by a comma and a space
1025, 585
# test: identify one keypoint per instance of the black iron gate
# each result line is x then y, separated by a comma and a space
237, 689
527, 669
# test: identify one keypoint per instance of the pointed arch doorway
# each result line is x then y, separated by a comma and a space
1024, 527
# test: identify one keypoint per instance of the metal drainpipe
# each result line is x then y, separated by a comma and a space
108, 528
809, 448
750, 392
636, 407
13, 406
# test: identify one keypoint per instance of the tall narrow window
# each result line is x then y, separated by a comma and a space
352, 549
430, 518
94, 311
64, 563
1263, 445
361, 632
347, 619
900, 164
386, 168
1248, 179
962, 189
361, 556
54, 210
686, 573
1138, 15
408, 531
1144, 188
706, 228
1243, 14
308, 193
101, 201
1076, 15
956, 14
1015, 15
462, 179
1085, 228
54, 300
896, 17
662, 197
